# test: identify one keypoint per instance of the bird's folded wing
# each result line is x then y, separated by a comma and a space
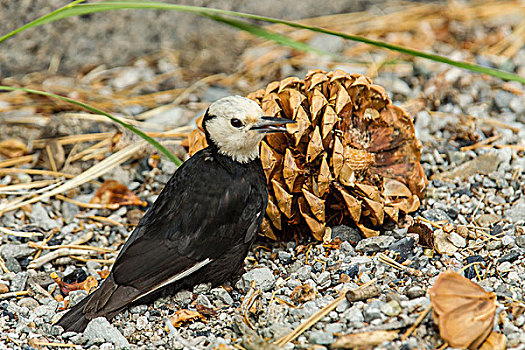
190, 223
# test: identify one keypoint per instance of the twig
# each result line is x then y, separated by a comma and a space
416, 324
101, 261
14, 294
104, 219
3, 265
55, 254
16, 161
19, 233
37, 343
88, 205
26, 186
432, 223
316, 317
385, 259
71, 246
482, 143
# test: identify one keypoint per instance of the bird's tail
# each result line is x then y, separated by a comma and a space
107, 301
75, 319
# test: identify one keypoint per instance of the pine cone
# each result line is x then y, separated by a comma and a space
352, 156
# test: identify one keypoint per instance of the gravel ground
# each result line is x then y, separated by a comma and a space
475, 198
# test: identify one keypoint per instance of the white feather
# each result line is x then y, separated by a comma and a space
177, 277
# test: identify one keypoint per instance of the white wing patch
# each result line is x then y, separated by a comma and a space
177, 277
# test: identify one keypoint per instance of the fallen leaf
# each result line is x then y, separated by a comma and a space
113, 192
463, 310
426, 236
303, 293
103, 273
86, 284
185, 315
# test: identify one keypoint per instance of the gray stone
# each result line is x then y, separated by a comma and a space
320, 337
30, 303
483, 164
222, 295
13, 250
18, 283
371, 313
415, 292
494, 245
304, 272
183, 298
374, 244
346, 233
142, 323
517, 212
457, 240
284, 256
442, 244
392, 308
334, 327
322, 278
69, 210
202, 288
40, 217
76, 296
101, 328
203, 300
435, 215
520, 241
263, 278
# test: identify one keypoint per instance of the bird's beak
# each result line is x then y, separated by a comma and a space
269, 125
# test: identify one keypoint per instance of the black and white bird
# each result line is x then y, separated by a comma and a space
203, 223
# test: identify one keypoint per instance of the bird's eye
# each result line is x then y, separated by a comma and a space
236, 123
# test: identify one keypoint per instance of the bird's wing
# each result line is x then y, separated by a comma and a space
199, 215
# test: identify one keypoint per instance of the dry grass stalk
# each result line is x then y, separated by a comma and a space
25, 186
420, 318
112, 206
90, 174
481, 143
16, 161
8, 231
3, 266
101, 261
385, 259
14, 294
317, 316
71, 246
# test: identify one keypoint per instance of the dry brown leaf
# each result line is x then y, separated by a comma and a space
463, 310
184, 315
90, 283
12, 148
303, 293
113, 192
426, 235
364, 339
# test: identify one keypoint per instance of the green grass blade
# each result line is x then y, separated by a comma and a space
133, 129
41, 20
202, 11
278, 38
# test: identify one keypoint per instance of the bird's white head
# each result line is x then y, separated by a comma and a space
236, 125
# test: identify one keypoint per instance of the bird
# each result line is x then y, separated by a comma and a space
201, 226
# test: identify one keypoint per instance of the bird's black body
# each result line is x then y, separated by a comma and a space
211, 208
